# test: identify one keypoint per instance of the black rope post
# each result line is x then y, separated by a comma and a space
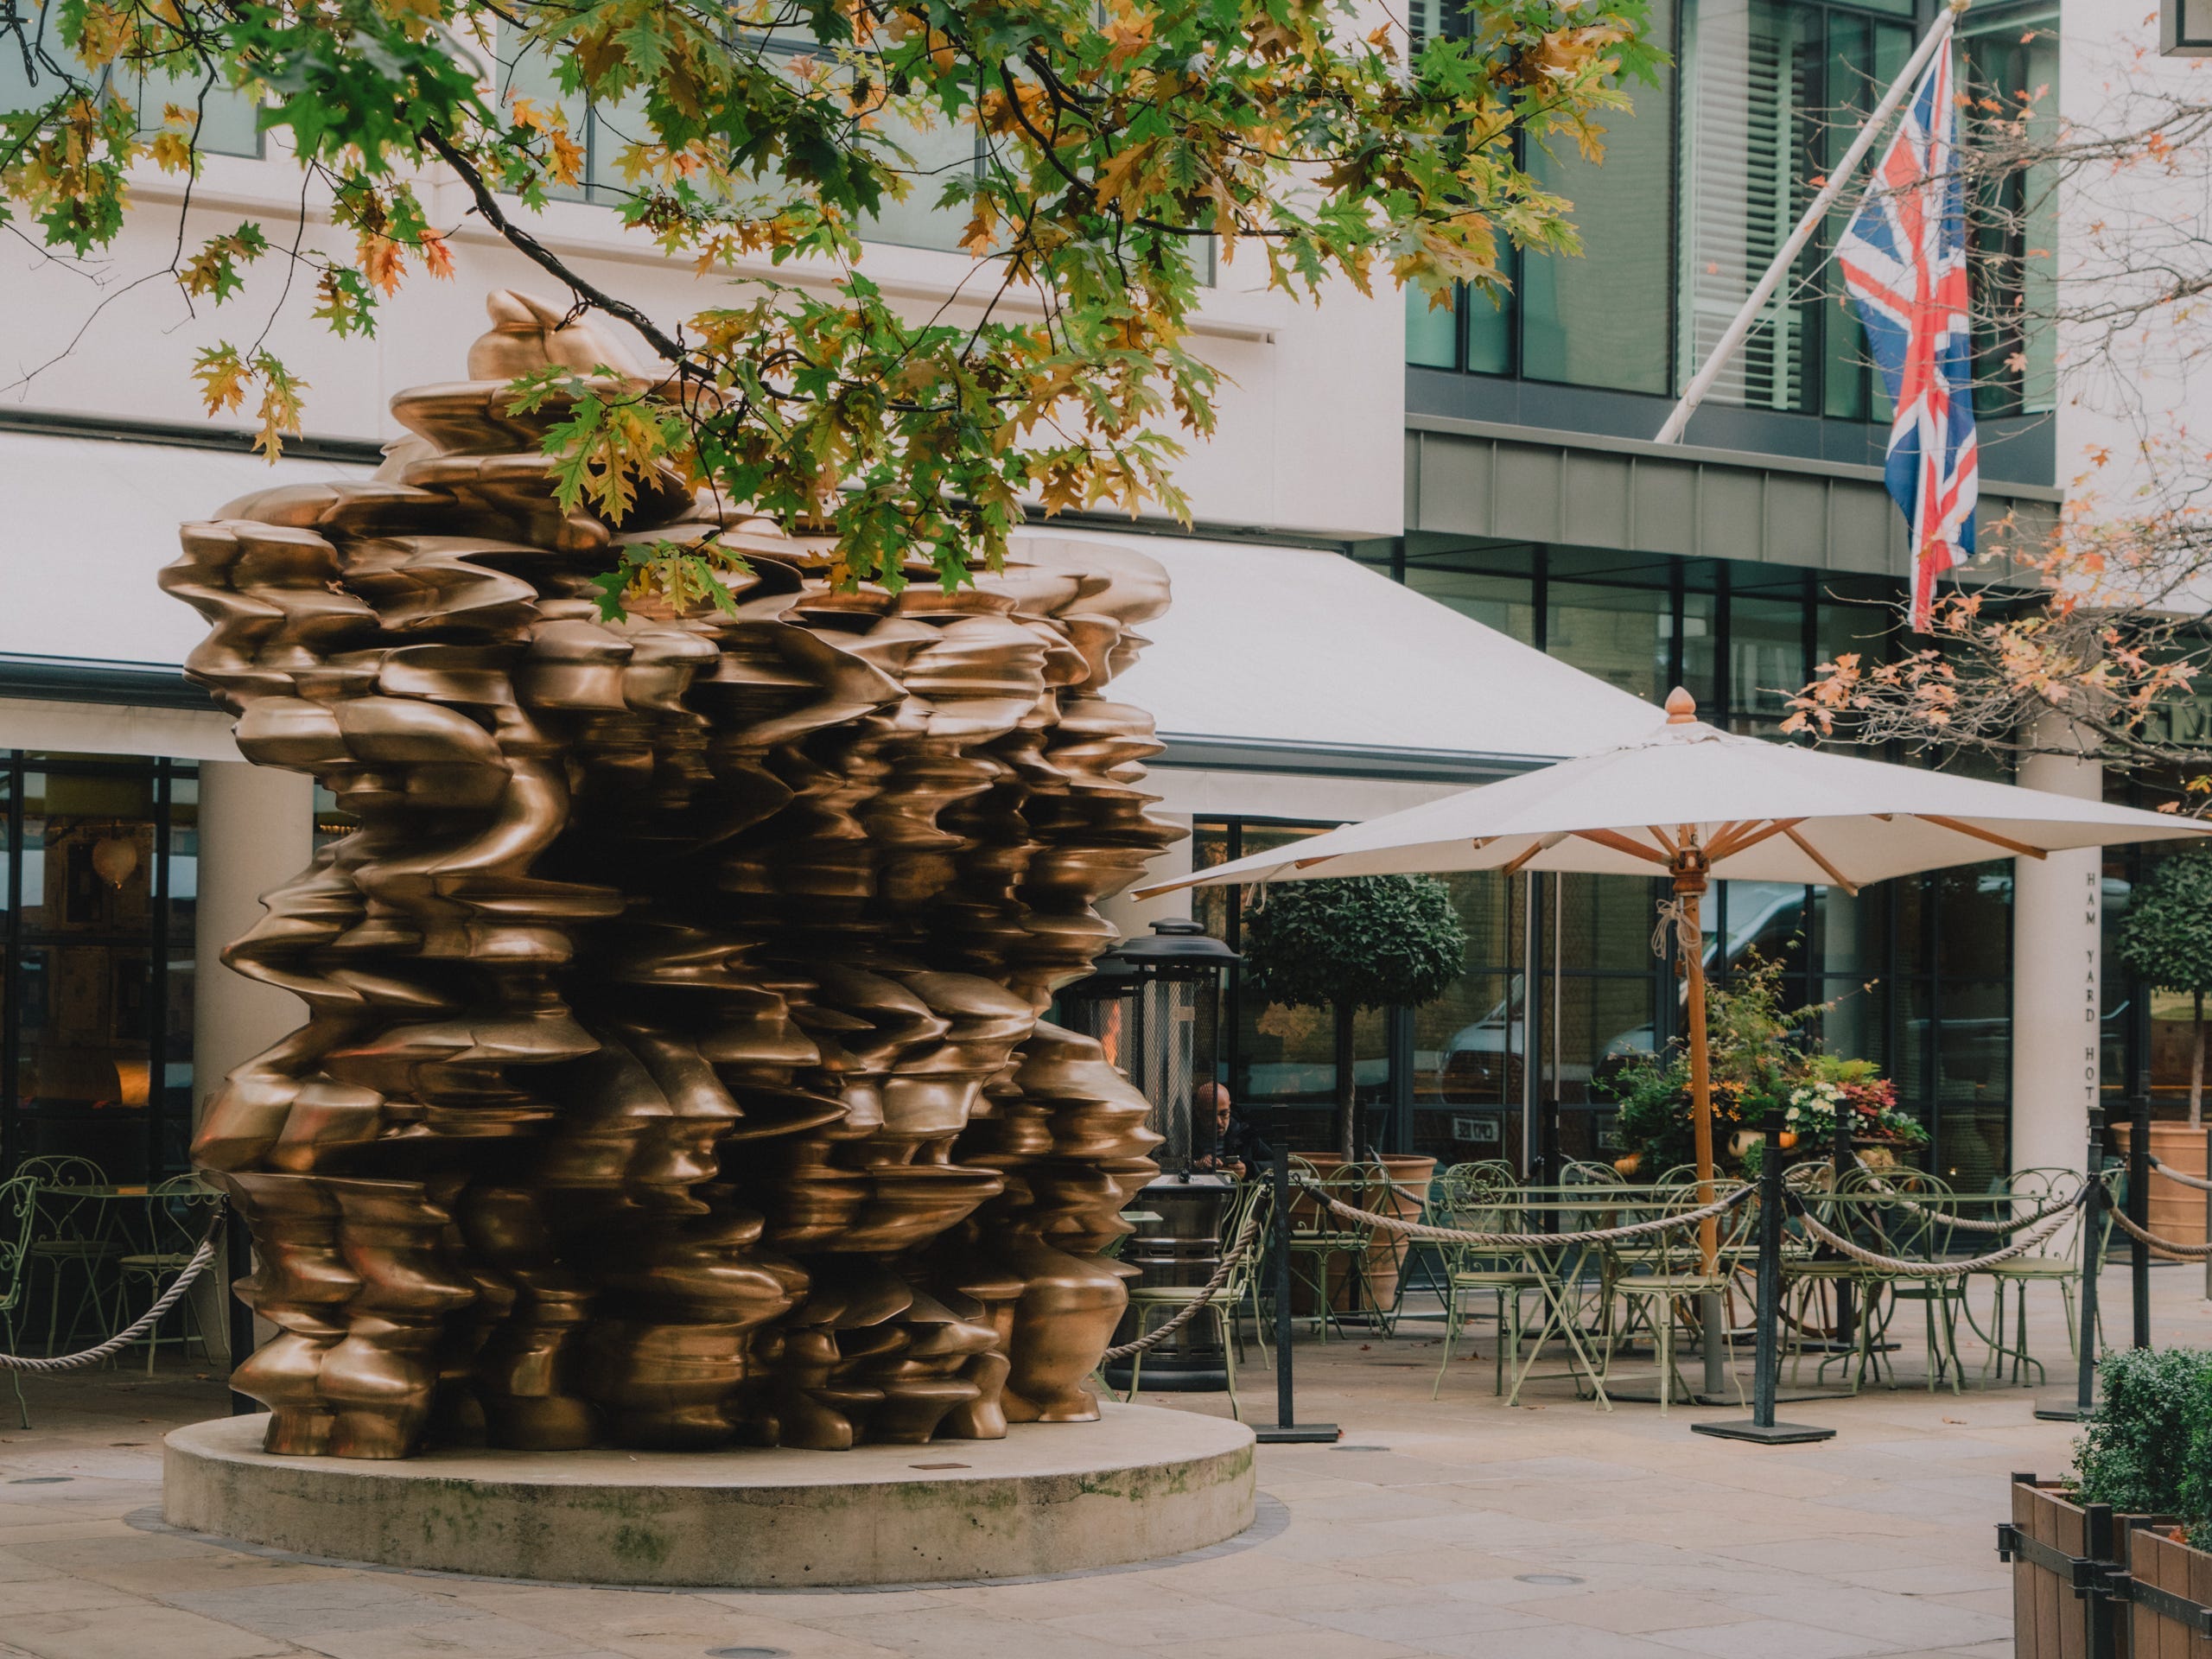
1767, 1348
2138, 1211
2092, 1219
1842, 1158
1286, 1426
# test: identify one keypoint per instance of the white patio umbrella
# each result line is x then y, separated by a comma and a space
1698, 804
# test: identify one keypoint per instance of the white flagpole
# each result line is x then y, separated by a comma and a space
1693, 394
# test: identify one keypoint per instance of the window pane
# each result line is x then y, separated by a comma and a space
1863, 58
1600, 922
1766, 653
1493, 585
1601, 320
1744, 123
1598, 1018
1620, 634
938, 149
1490, 327
1974, 920
1432, 330
1856, 1024
88, 854
2013, 63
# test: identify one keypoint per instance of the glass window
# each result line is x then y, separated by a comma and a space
2012, 61
1602, 319
1432, 330
1495, 586
1766, 652
1622, 634
1863, 57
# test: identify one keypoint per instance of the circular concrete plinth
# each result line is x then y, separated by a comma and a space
1051, 1497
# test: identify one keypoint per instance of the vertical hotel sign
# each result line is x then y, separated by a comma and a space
2092, 1002
2185, 29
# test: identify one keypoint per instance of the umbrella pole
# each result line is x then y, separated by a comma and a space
1690, 868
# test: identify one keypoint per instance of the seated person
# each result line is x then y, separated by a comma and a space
1238, 1148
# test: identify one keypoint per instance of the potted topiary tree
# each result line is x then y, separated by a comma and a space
1353, 943
1345, 945
2166, 940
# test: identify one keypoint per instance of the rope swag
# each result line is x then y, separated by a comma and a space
145, 1322
1207, 1292
2145, 1235
1529, 1241
2177, 1176
1815, 1228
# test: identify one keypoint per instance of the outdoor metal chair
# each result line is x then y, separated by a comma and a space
2056, 1260
1319, 1236
1483, 1198
1908, 1215
1250, 1199
74, 1229
1660, 1282
177, 1213
18, 1209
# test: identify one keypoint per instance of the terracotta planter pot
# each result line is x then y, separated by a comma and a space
2176, 1211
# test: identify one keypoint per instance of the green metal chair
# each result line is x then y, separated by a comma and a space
1660, 1278
75, 1230
177, 1213
2056, 1260
1906, 1214
1318, 1235
18, 1209
1251, 1198
1483, 1198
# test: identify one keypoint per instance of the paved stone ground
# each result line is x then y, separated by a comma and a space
1552, 1531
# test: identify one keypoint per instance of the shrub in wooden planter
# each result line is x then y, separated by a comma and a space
2102, 1568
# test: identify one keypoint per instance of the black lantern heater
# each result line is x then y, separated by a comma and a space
1143, 1005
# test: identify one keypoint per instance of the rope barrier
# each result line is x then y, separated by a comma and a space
1899, 1264
2178, 1178
1964, 1224
1207, 1292
122, 1339
2195, 1251
1529, 1241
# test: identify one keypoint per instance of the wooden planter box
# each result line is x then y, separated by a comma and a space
2089, 1584
2061, 1552
2168, 1588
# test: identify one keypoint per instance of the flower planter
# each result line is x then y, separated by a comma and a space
2176, 1211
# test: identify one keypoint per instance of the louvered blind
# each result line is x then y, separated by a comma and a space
1741, 123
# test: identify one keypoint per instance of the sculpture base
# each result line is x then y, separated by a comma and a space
1142, 1484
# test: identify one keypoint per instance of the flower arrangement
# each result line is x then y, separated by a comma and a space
1762, 1056
1848, 1088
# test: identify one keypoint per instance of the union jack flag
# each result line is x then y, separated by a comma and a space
1905, 261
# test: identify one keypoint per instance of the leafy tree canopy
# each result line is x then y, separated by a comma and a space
1112, 143
2167, 937
1361, 941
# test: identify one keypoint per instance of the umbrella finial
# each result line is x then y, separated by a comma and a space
1682, 708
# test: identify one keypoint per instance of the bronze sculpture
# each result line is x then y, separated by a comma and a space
673, 1074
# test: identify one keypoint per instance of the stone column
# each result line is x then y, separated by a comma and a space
256, 831
2058, 910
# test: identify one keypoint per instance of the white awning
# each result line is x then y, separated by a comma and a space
1325, 665
1272, 660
